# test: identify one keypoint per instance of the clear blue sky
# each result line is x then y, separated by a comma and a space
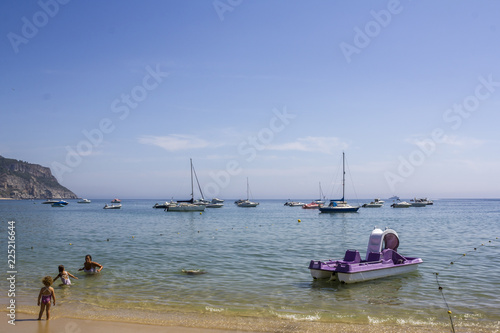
116, 96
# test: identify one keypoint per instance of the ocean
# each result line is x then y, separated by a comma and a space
256, 263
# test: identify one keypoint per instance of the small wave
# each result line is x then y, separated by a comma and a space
297, 317
208, 308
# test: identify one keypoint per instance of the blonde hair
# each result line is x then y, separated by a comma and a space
47, 281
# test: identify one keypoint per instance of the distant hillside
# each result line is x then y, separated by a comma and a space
23, 180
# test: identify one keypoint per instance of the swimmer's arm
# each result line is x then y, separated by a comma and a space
57, 277
98, 265
74, 277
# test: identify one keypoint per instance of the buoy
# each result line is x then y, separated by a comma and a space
449, 311
70, 244
133, 236
200, 213
299, 220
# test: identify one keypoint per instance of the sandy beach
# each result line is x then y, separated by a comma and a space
27, 323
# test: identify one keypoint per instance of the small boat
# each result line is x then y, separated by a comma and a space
165, 204
116, 201
417, 204
188, 205
83, 201
382, 260
425, 201
312, 205
401, 204
118, 206
60, 203
185, 207
294, 203
395, 197
247, 202
50, 202
340, 206
377, 203
215, 203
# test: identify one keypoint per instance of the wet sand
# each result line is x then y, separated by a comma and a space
26, 323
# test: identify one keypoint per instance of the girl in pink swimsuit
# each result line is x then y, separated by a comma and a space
46, 295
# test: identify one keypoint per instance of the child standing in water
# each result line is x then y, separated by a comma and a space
90, 266
46, 295
64, 275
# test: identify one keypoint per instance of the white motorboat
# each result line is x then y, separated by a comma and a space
425, 201
117, 206
401, 204
84, 201
294, 203
377, 203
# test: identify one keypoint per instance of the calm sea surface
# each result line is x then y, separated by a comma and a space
256, 261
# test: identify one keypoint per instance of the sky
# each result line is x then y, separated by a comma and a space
116, 97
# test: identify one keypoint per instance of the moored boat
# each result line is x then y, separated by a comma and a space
377, 203
60, 203
340, 206
382, 260
115, 200
185, 207
247, 202
312, 205
401, 204
84, 201
117, 206
294, 203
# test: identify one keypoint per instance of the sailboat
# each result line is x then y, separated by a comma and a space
187, 205
247, 202
340, 206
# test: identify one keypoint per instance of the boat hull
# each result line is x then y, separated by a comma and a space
186, 208
338, 209
376, 272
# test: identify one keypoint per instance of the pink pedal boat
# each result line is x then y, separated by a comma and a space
382, 260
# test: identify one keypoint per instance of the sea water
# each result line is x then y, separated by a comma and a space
255, 262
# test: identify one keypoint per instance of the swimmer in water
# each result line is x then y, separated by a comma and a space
64, 275
90, 266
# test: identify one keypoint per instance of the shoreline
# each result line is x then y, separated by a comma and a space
194, 323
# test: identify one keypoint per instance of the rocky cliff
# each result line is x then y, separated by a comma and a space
23, 180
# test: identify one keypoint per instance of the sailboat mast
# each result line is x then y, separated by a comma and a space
343, 176
192, 190
248, 196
